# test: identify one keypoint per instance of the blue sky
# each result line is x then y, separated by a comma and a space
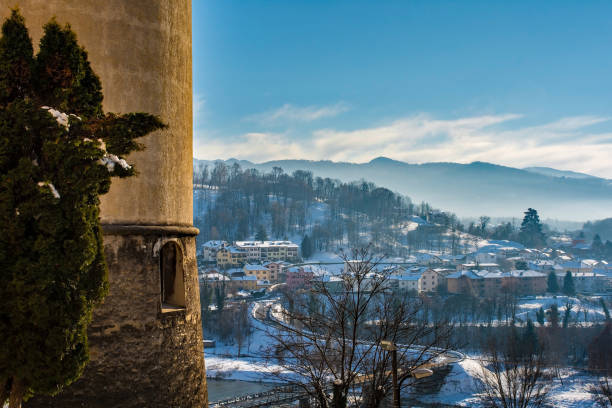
515, 83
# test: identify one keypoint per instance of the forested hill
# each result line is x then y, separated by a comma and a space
471, 189
232, 203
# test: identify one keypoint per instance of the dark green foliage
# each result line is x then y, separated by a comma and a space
16, 60
531, 234
220, 297
540, 316
521, 265
530, 342
568, 284
261, 234
52, 267
597, 246
567, 314
603, 228
244, 199
553, 315
552, 286
63, 76
307, 247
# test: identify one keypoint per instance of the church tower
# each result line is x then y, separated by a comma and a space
146, 338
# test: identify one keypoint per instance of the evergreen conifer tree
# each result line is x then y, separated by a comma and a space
597, 246
552, 286
553, 316
306, 247
58, 152
567, 314
261, 234
540, 316
521, 265
530, 339
531, 234
220, 297
568, 284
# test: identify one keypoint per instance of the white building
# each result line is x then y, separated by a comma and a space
429, 280
210, 249
407, 282
269, 250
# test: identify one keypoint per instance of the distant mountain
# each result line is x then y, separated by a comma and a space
470, 190
547, 171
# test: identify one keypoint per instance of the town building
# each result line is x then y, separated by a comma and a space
494, 283
277, 268
406, 282
263, 251
231, 257
261, 272
244, 282
210, 249
586, 282
476, 266
298, 278
428, 281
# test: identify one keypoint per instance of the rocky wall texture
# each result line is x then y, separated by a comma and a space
141, 357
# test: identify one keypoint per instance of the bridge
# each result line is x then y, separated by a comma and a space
286, 396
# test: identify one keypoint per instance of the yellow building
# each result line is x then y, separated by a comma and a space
231, 257
261, 272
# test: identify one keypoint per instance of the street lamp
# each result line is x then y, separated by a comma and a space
419, 372
390, 346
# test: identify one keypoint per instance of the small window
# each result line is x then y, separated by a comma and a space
172, 277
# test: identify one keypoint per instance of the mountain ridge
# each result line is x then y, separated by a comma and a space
473, 189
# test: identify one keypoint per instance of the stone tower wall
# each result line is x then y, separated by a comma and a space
141, 50
140, 356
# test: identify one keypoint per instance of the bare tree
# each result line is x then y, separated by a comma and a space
330, 343
242, 327
514, 377
602, 392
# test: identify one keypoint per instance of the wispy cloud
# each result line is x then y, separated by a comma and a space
567, 143
292, 113
199, 103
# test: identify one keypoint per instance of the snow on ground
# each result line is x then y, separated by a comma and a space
318, 213
528, 307
222, 361
572, 390
243, 368
463, 385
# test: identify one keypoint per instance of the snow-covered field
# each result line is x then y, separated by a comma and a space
461, 386
581, 307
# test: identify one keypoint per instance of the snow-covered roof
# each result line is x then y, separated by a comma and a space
244, 278
214, 244
526, 274
216, 277
249, 267
468, 274
265, 244
406, 277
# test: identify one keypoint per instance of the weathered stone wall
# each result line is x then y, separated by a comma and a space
139, 356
